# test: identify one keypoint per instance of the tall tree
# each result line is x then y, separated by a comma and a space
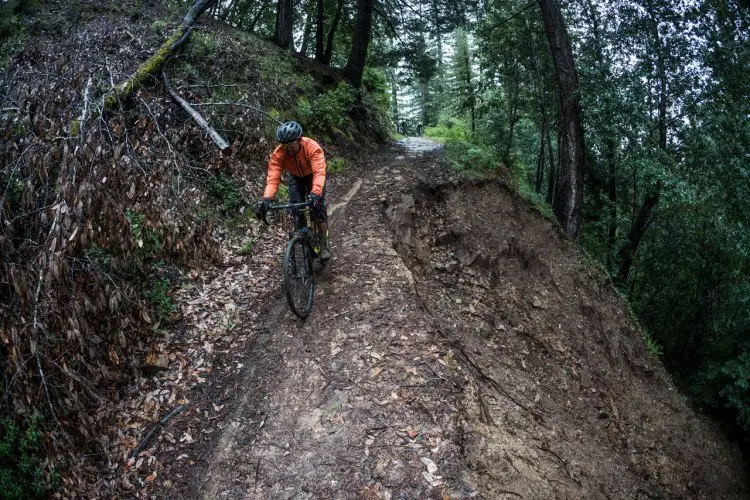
568, 194
320, 26
328, 53
355, 66
282, 34
463, 81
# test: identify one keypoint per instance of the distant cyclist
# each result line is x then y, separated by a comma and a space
303, 158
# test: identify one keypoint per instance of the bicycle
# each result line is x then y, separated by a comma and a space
303, 247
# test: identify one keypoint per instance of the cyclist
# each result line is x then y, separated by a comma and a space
303, 159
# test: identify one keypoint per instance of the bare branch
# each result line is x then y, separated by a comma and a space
213, 134
240, 104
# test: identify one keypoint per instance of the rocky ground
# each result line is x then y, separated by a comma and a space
460, 346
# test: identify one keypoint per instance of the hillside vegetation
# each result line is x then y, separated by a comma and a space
103, 212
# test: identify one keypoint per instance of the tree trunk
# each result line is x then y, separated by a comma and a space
610, 144
545, 139
639, 226
540, 161
199, 6
308, 29
612, 193
320, 35
360, 42
228, 10
646, 215
394, 95
512, 115
332, 33
282, 34
568, 193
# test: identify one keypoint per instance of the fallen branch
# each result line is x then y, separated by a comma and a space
155, 431
85, 111
155, 63
240, 104
213, 134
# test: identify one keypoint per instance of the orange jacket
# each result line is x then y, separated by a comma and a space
308, 160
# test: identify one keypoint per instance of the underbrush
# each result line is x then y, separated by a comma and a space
473, 158
99, 217
22, 473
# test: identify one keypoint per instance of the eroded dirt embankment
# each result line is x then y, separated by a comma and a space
459, 347
562, 400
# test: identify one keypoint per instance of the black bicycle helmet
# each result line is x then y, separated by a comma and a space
288, 132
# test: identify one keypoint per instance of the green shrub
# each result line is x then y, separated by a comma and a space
727, 386
157, 294
331, 110
473, 158
283, 193
247, 247
224, 189
146, 238
335, 165
21, 474
12, 32
159, 26
304, 110
452, 129
375, 83
202, 44
652, 346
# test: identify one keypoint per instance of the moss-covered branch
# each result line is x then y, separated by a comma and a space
149, 68
154, 64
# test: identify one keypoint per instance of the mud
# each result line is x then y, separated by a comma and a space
459, 347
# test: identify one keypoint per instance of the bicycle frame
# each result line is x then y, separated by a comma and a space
301, 213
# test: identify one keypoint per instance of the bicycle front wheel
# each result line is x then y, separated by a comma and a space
298, 276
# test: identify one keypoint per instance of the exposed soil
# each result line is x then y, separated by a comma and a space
460, 346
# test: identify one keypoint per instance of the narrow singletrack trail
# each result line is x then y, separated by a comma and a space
344, 403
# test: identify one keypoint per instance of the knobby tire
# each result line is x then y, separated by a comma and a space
299, 280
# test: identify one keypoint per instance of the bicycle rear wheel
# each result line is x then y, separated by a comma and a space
299, 280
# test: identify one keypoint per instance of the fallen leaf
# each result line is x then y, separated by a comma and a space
431, 466
151, 476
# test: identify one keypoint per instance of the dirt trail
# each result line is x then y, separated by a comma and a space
346, 402
458, 348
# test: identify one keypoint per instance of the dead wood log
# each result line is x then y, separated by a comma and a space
213, 134
154, 63
155, 430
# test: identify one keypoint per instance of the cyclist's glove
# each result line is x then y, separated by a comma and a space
262, 207
316, 202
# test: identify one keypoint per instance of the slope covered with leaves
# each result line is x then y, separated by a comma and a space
103, 211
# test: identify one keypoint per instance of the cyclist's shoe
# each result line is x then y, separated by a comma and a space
325, 254
325, 243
